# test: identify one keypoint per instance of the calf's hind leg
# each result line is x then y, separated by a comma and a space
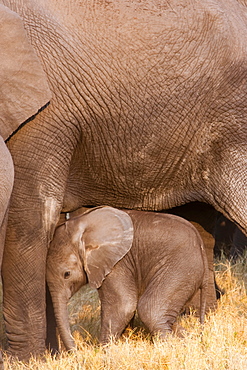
159, 308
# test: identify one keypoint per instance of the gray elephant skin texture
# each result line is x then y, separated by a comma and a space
6, 185
158, 273
147, 110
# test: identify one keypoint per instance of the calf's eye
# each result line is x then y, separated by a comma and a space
66, 275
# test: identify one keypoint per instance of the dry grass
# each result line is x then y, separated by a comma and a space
221, 345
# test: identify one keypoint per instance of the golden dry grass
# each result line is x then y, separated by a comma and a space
221, 345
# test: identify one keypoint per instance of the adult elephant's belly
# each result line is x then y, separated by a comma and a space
127, 182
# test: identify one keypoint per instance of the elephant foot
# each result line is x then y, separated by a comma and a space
1, 361
179, 330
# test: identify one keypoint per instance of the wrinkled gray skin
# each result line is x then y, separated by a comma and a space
157, 275
6, 185
147, 111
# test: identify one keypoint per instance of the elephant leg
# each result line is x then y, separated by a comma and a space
159, 307
115, 317
51, 334
24, 289
212, 287
41, 172
25, 255
118, 305
6, 185
1, 362
24, 296
203, 217
2, 239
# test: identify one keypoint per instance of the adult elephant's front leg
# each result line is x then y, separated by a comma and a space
24, 279
34, 211
24, 291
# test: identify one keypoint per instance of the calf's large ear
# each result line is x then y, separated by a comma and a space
23, 85
105, 235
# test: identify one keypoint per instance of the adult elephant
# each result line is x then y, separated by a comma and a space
148, 111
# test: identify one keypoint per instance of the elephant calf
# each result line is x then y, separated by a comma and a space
152, 262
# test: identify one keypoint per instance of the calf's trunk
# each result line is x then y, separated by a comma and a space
62, 320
